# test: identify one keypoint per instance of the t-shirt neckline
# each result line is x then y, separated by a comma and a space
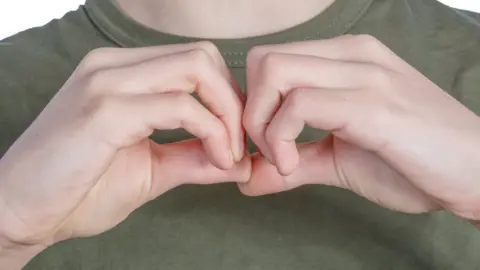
126, 32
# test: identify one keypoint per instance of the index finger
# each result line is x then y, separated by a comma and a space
104, 58
351, 48
188, 71
278, 74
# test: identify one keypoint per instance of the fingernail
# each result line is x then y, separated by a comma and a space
238, 152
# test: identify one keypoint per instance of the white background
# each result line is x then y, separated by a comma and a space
17, 15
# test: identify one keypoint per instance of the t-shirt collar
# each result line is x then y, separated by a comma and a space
126, 32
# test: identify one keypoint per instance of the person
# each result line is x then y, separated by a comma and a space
118, 102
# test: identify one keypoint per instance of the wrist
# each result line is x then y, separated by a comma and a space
16, 255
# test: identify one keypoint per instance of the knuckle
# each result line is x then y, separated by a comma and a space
270, 68
271, 61
200, 58
210, 48
94, 58
368, 45
216, 57
201, 61
367, 41
96, 81
255, 53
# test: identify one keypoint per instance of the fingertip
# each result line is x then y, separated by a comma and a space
243, 170
248, 189
286, 167
264, 178
221, 157
286, 157
285, 171
243, 188
238, 152
223, 162
222, 165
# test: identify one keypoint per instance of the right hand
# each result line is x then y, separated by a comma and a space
86, 162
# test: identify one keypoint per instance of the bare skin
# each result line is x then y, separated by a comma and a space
233, 19
387, 121
387, 125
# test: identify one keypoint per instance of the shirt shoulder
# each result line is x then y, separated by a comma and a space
471, 16
36, 63
467, 79
441, 42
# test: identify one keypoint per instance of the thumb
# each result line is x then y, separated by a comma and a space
186, 162
373, 179
316, 166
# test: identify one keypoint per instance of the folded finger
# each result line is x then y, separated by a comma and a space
106, 58
187, 162
324, 109
281, 73
316, 166
132, 118
187, 72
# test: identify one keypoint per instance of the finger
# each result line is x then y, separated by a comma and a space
139, 115
372, 178
105, 58
350, 48
319, 108
187, 72
316, 166
280, 73
187, 163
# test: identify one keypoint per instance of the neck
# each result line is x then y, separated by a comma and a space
222, 18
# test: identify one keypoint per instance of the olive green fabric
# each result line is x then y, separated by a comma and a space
215, 227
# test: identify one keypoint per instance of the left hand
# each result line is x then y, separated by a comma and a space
395, 137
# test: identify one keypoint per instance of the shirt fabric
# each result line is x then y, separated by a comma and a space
215, 227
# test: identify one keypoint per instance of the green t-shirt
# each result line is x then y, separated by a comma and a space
215, 227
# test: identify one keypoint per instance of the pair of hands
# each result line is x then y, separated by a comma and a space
86, 162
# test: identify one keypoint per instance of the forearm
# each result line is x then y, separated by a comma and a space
15, 256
